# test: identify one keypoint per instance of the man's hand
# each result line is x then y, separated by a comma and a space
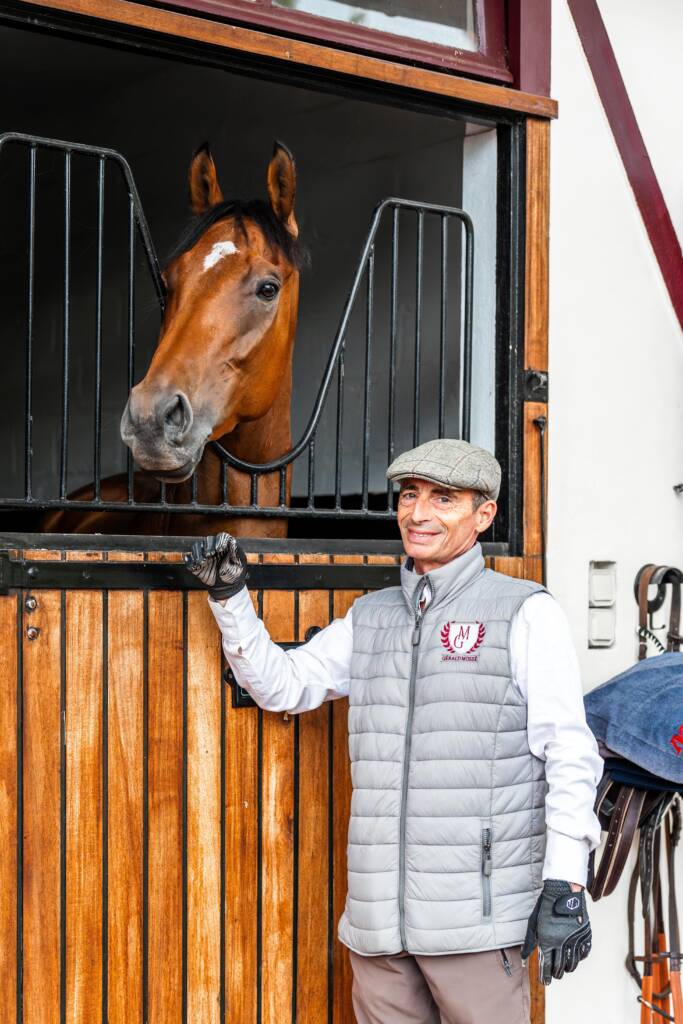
220, 564
559, 926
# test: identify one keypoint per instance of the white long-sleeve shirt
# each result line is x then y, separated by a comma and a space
544, 670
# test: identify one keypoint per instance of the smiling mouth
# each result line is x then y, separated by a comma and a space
420, 536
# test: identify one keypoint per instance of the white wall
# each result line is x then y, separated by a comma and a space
616, 369
647, 39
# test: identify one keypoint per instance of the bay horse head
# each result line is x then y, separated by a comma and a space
224, 353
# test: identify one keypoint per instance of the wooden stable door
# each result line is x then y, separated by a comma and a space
165, 856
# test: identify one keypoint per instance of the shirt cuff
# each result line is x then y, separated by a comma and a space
236, 618
566, 858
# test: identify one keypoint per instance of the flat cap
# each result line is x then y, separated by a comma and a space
451, 463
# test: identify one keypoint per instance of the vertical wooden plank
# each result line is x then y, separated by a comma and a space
314, 874
203, 813
537, 235
84, 703
165, 804
343, 599
277, 829
533, 568
342, 1011
509, 566
537, 992
9, 763
384, 559
42, 806
241, 855
125, 804
241, 863
532, 477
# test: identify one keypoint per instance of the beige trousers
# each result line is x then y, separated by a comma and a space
461, 988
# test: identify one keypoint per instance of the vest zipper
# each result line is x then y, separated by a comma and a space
486, 867
406, 762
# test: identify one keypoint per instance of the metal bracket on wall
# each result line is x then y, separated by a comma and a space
535, 387
20, 574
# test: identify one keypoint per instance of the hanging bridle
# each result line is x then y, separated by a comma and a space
652, 809
658, 576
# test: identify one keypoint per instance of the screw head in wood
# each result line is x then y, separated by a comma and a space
32, 632
31, 603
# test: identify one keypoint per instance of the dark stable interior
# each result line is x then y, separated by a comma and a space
155, 111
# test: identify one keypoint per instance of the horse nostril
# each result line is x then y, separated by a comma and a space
177, 418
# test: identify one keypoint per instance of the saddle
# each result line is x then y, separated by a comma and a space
638, 800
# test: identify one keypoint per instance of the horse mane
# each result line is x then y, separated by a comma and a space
241, 210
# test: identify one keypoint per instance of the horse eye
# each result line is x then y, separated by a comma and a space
268, 290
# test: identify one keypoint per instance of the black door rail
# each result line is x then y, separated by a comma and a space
22, 574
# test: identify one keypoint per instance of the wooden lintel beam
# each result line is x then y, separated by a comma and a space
298, 53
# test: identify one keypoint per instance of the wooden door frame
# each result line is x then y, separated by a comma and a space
102, 17
536, 358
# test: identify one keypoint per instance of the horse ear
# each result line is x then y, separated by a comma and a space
204, 188
282, 186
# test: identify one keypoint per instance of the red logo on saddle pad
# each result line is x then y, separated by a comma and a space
461, 640
676, 740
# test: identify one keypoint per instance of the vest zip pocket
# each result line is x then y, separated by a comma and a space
486, 867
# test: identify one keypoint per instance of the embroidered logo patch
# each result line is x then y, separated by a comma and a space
461, 640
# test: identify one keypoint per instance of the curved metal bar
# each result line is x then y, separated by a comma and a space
339, 339
107, 154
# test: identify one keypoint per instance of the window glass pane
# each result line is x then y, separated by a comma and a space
443, 22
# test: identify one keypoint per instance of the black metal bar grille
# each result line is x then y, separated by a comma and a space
366, 269
55, 172
385, 334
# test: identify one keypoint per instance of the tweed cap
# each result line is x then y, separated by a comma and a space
452, 463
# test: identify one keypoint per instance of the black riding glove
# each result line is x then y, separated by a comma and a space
220, 564
559, 926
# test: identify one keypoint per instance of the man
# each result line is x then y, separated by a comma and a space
474, 772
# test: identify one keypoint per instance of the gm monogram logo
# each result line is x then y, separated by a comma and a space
461, 640
573, 903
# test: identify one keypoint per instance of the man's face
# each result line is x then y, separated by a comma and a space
439, 523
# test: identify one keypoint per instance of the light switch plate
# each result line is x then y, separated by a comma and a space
602, 584
602, 624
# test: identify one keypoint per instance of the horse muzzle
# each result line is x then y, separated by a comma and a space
165, 437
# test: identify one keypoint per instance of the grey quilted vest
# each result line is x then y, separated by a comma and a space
447, 829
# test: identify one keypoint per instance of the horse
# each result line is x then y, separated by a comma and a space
222, 368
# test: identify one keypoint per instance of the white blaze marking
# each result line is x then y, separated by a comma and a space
219, 251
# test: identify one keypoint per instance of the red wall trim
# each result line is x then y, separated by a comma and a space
528, 28
634, 155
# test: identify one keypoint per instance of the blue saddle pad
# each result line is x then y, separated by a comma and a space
639, 715
631, 775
